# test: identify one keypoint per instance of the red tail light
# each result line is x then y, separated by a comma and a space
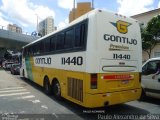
93, 81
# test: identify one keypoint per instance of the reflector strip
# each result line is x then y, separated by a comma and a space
118, 77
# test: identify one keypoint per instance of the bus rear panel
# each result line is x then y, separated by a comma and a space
113, 60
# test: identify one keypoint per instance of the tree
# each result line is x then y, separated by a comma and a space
153, 27
148, 43
151, 35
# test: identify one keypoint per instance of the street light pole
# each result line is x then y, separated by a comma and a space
37, 21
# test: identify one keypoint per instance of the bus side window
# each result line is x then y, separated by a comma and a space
80, 35
69, 36
24, 52
47, 45
60, 41
30, 50
37, 48
27, 51
53, 43
41, 47
83, 34
77, 37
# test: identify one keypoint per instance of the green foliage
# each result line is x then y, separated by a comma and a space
151, 35
153, 26
147, 40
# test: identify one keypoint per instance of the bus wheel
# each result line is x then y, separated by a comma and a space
23, 73
143, 96
57, 90
46, 85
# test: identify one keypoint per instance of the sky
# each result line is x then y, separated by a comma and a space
24, 13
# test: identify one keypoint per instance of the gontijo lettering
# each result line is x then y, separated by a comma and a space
120, 39
43, 60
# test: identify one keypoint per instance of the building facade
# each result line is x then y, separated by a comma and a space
46, 26
143, 19
14, 28
81, 9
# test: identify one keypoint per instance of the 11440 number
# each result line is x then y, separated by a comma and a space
120, 56
75, 60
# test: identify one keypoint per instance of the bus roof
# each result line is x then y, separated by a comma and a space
81, 18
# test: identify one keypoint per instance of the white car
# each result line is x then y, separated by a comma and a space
151, 78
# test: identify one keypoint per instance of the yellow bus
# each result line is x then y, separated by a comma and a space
95, 61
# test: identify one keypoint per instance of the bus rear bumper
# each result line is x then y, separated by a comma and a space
107, 99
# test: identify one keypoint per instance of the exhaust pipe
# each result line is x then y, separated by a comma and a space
106, 104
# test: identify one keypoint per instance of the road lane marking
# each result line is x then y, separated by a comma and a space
26, 97
35, 101
44, 106
12, 91
55, 115
8, 88
12, 94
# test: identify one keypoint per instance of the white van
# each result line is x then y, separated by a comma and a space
151, 78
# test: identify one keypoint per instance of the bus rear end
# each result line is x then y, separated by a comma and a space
114, 59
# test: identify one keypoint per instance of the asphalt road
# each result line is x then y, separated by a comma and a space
20, 98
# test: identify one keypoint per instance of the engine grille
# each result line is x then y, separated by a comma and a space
75, 88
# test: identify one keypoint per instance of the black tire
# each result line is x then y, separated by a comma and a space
23, 73
143, 96
46, 85
57, 90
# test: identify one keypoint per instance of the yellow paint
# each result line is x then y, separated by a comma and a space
111, 91
122, 26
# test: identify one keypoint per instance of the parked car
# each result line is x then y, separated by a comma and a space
15, 69
151, 78
8, 65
